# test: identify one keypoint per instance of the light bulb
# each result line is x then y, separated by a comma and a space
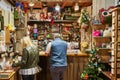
31, 4
57, 7
76, 7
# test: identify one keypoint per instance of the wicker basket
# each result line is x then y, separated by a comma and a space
104, 51
102, 39
104, 55
105, 59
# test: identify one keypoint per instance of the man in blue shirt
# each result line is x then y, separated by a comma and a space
57, 50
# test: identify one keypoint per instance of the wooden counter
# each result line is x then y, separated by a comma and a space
42, 53
76, 63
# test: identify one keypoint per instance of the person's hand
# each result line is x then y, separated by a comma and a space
8, 67
46, 54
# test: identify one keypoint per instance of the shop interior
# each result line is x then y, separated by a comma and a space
90, 27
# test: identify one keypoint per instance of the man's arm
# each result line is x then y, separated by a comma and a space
48, 49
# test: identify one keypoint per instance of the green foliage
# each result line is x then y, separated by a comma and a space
93, 68
16, 14
84, 17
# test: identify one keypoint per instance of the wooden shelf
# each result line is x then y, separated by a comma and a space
6, 75
48, 21
105, 48
108, 74
104, 53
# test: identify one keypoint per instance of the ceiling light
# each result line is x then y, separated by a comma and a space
57, 7
76, 7
31, 4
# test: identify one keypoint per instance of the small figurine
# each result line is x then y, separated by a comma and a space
42, 16
107, 32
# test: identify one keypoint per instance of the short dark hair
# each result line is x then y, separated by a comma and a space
56, 35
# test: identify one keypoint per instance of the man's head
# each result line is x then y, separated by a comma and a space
56, 35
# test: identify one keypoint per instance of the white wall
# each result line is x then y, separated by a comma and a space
98, 4
6, 12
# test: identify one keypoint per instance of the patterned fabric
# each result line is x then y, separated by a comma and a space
30, 71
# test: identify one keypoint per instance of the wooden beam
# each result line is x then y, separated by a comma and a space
63, 5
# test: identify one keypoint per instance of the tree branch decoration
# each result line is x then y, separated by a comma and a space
84, 19
93, 68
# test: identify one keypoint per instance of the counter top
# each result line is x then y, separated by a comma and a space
42, 53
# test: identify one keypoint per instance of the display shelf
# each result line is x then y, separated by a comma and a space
104, 51
43, 30
115, 39
48, 21
108, 74
104, 47
6, 75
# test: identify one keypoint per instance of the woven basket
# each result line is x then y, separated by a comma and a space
102, 39
105, 59
104, 55
104, 52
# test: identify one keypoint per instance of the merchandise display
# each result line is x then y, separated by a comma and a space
92, 36
42, 28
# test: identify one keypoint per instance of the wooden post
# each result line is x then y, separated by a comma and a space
21, 31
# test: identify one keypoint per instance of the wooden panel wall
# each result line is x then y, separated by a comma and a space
73, 72
98, 4
75, 67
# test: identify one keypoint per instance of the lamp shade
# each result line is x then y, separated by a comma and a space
76, 7
57, 7
31, 4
